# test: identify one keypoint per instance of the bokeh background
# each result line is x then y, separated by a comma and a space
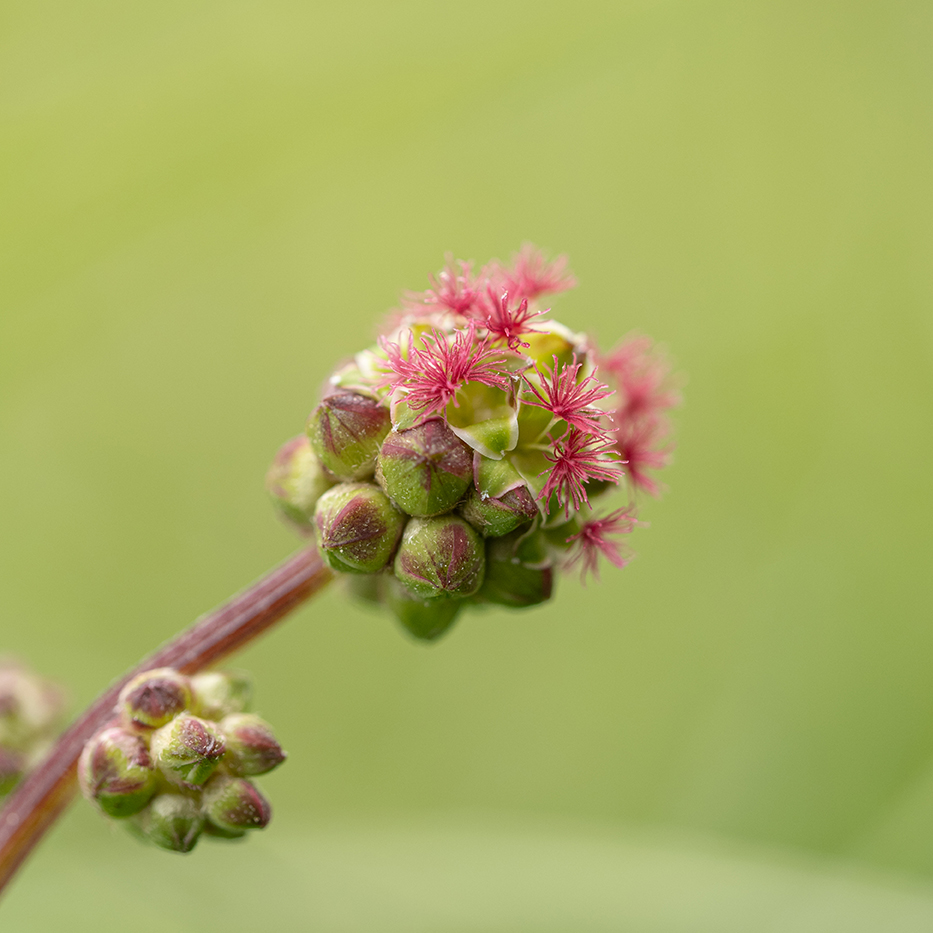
203, 205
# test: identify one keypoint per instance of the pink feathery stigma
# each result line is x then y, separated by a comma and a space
643, 378
565, 398
641, 445
450, 290
503, 323
531, 274
595, 539
432, 374
578, 458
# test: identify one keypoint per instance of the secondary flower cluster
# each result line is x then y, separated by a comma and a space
30, 710
458, 460
177, 761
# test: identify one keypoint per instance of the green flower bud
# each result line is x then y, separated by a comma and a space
219, 693
367, 587
426, 469
425, 619
440, 557
188, 750
518, 572
154, 697
234, 805
357, 527
251, 746
171, 821
346, 431
296, 480
494, 517
116, 772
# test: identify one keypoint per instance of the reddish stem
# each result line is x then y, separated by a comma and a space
46, 792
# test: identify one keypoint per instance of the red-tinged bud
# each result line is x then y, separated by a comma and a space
357, 527
234, 805
494, 517
251, 746
116, 772
440, 557
346, 431
518, 573
152, 698
424, 619
187, 750
171, 821
426, 469
296, 480
220, 693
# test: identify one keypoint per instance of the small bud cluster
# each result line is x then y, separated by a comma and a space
30, 712
456, 462
177, 763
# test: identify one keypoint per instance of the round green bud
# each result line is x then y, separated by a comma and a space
116, 772
234, 805
251, 745
357, 527
346, 431
154, 697
424, 619
171, 821
494, 517
426, 469
187, 750
219, 693
367, 587
518, 573
440, 557
296, 480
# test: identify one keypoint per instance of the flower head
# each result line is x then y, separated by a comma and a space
595, 538
481, 431
429, 377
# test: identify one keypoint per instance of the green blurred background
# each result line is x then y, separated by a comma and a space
205, 205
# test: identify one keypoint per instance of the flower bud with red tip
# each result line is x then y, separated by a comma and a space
425, 470
251, 746
357, 527
117, 773
440, 557
188, 750
346, 431
234, 805
494, 517
296, 480
154, 697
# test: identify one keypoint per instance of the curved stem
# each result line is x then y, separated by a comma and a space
46, 791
